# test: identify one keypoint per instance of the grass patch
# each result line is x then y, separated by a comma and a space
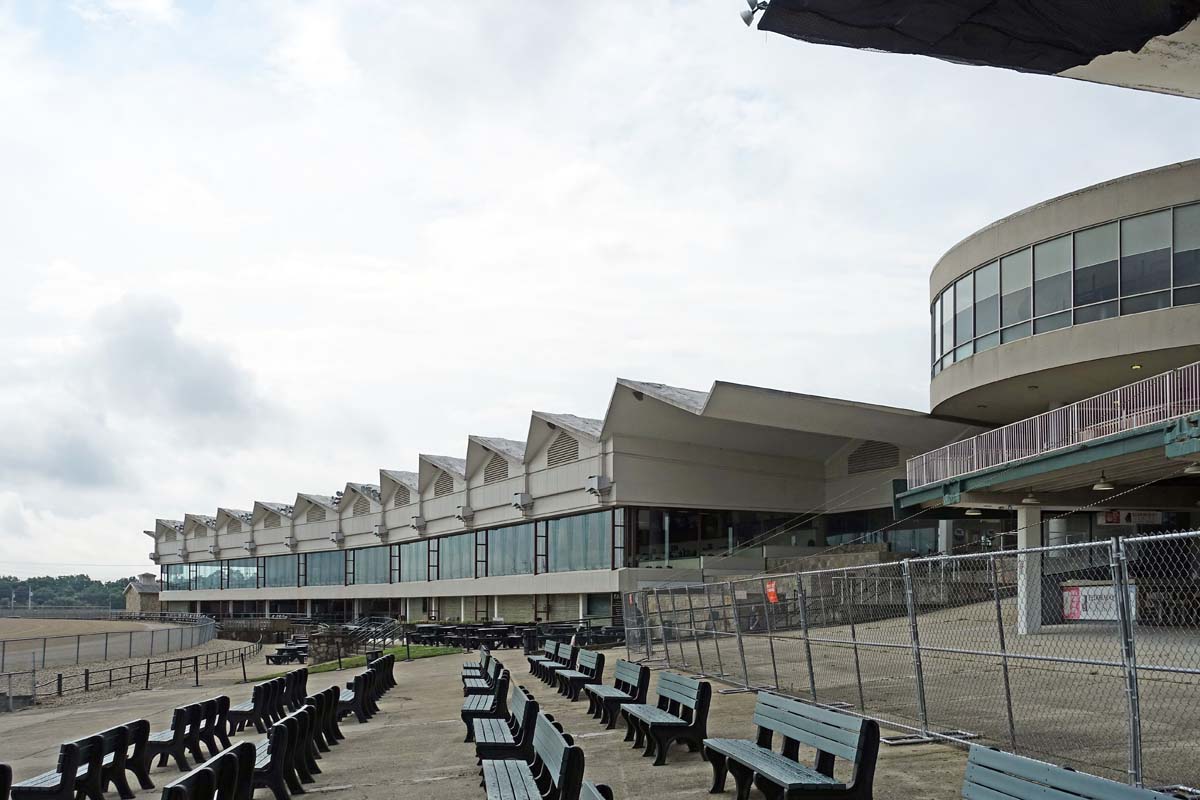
350, 662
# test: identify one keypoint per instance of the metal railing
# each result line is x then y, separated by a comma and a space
184, 631
1087, 654
1151, 401
140, 675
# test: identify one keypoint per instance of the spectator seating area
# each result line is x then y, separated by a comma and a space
296, 729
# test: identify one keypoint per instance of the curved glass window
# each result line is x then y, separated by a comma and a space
175, 578
1128, 266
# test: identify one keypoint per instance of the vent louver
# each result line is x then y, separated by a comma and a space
563, 450
271, 521
235, 526
496, 470
871, 455
443, 485
402, 497
361, 506
315, 514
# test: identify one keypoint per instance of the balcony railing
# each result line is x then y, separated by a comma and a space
1147, 402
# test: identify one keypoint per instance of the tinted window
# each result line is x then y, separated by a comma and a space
947, 303
1146, 253
1097, 312
510, 550
325, 569
243, 573
414, 561
373, 565
1015, 278
987, 298
580, 542
1096, 264
456, 557
281, 570
964, 307
1145, 302
1187, 245
1052, 322
1052, 276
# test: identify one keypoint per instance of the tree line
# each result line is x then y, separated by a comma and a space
62, 590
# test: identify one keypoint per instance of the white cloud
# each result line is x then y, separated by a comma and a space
352, 217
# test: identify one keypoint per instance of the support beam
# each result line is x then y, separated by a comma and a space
1029, 570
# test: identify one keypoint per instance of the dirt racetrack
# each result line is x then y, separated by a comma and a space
36, 628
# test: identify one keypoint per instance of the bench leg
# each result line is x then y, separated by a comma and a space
470, 728
122, 783
743, 778
720, 771
629, 728
140, 771
278, 788
769, 790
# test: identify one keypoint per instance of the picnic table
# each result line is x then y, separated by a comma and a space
288, 653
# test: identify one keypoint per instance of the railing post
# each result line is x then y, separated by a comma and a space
10, 693
802, 595
1012, 727
196, 667
77, 640
106, 645
915, 638
58, 685
1125, 623
3, 653
87, 679
737, 627
661, 626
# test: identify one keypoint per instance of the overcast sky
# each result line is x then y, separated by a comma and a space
251, 249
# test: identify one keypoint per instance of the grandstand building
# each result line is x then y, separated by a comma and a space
1076, 296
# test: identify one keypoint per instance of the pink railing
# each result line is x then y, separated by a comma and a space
1147, 402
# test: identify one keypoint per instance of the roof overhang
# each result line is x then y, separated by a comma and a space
480, 450
1152, 45
770, 421
428, 467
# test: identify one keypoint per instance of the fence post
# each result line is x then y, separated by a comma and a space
849, 584
87, 679
3, 653
675, 628
716, 638
131, 644
695, 632
662, 626
43, 652
737, 627
106, 645
77, 640
802, 596
770, 632
33, 672
244, 678
58, 685
147, 673
10, 693
196, 666
915, 638
1012, 726
1120, 577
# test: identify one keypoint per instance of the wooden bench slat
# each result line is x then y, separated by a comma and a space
1070, 782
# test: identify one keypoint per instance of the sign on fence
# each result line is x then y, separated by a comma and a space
772, 595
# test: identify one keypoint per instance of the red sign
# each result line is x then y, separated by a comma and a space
772, 595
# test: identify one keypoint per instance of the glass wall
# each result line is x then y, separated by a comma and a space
326, 568
510, 550
414, 561
580, 542
206, 575
456, 556
1130, 266
175, 577
681, 537
280, 571
243, 573
373, 565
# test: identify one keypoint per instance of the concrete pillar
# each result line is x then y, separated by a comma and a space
582, 606
1029, 570
819, 528
266, 608
945, 543
357, 607
308, 607
462, 609
229, 610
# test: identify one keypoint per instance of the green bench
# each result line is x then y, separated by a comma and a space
483, 706
556, 770
510, 736
779, 774
993, 775
680, 715
485, 682
177, 741
589, 668
5, 779
225, 775
630, 684
564, 659
471, 669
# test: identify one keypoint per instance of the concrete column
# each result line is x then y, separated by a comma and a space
308, 607
945, 535
820, 526
1029, 570
462, 609
582, 606
267, 608
357, 607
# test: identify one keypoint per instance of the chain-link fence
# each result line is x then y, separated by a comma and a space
178, 632
1087, 654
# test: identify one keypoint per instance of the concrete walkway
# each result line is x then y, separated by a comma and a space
414, 747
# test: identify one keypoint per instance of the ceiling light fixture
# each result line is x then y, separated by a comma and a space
1102, 485
1194, 469
1136, 366
755, 7
974, 512
1030, 500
